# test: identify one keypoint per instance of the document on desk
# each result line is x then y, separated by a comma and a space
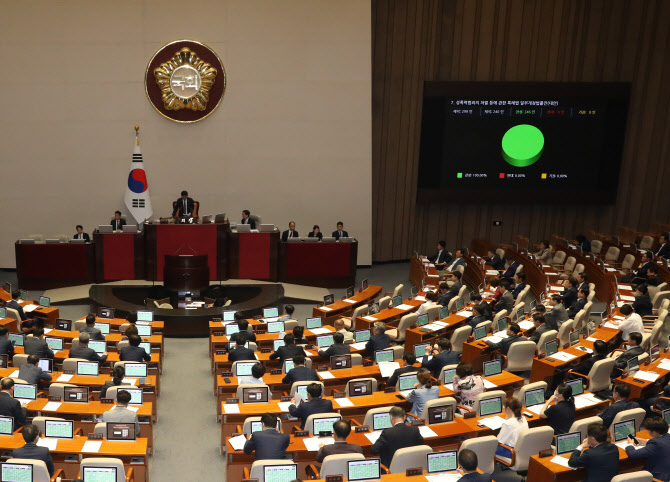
50, 443
441, 324
625, 443
645, 375
405, 307
465, 313
14, 374
586, 400
309, 353
488, 384
30, 307
664, 364
536, 409
492, 272
526, 324
64, 378
610, 269
494, 423
563, 356
627, 298
359, 345
373, 436
370, 318
619, 318
387, 368
560, 460
283, 406
92, 446
237, 442
344, 402
584, 349
556, 288
48, 330
447, 477
133, 408
312, 443
326, 375
432, 327
427, 432
494, 339
320, 331
130, 381
325, 308
231, 408
611, 325
51, 407
449, 386
347, 300
405, 393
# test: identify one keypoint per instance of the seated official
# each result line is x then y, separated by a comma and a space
90, 328
299, 372
519, 284
131, 330
14, 304
9, 406
639, 275
513, 336
557, 315
467, 467
84, 352
424, 391
315, 232
314, 404
663, 249
599, 353
456, 261
579, 305
620, 403
431, 300
561, 415
340, 327
466, 385
506, 301
289, 350
341, 431
540, 328
256, 378
36, 345
267, 443
290, 232
184, 206
6, 346
299, 335
80, 234
408, 360
494, 284
243, 324
379, 339
120, 413
569, 294
583, 243
544, 254
340, 232
642, 304
288, 313
655, 450
442, 257
455, 278
510, 272
634, 350
511, 428
31, 373
441, 357
117, 223
486, 310
396, 437
31, 450
600, 459
652, 276
494, 260
134, 352
477, 317
582, 281
247, 220
118, 374
337, 348
442, 292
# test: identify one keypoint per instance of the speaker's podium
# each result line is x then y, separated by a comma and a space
186, 272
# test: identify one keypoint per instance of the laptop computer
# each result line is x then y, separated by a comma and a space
551, 347
16, 472
312, 323
255, 394
567, 442
87, 368
54, 343
329, 299
276, 344
492, 368
533, 397
63, 324
143, 330
103, 327
59, 429
75, 394
266, 228
45, 301
46, 364
361, 335
17, 339
280, 473
324, 424
397, 301
25, 391
231, 329
440, 414
420, 349
577, 386
339, 362
359, 388
6, 425
244, 228
288, 365
448, 375
406, 382
480, 332
143, 315
363, 470
121, 432
107, 313
324, 340
380, 421
99, 474
439, 462
623, 429
243, 368
384, 355
136, 369
633, 365
257, 426
574, 338
228, 315
422, 320
136, 395
275, 326
269, 313
98, 346
490, 406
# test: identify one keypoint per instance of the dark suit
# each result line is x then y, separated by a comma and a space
335, 349
622, 360
475, 477
318, 235
86, 353
117, 224
585, 367
453, 292
393, 379
84, 236
6, 347
239, 353
642, 305
504, 345
287, 351
440, 360
555, 315
336, 449
377, 342
586, 246
518, 289
300, 374
305, 409
663, 251
178, 210
33, 374
496, 262
284, 235
656, 452
336, 234
611, 411
35, 346
397, 437
455, 263
32, 451
510, 272
600, 462
13, 304
576, 307
268, 444
506, 302
134, 353
250, 222
537, 333
569, 297
476, 320
248, 336
94, 333
11, 407
441, 257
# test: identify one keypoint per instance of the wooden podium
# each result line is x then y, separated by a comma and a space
186, 273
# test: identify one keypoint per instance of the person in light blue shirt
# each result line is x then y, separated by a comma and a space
423, 392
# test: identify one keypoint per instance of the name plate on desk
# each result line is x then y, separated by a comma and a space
260, 332
227, 374
266, 350
286, 399
106, 401
216, 320
389, 389
275, 372
218, 333
334, 478
413, 472
54, 398
309, 347
339, 395
362, 428
323, 368
301, 433
95, 436
232, 401
418, 423
367, 363
545, 453
220, 352
68, 372
325, 433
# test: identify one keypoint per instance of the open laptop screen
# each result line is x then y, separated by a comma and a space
361, 335
442, 461
271, 312
360, 387
623, 429
280, 473
16, 472
534, 397
362, 470
380, 421
577, 386
255, 394
567, 442
324, 424
492, 368
440, 414
312, 323
145, 316
384, 356
490, 406
338, 362
99, 474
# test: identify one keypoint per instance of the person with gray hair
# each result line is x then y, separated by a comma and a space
84, 352
379, 339
396, 437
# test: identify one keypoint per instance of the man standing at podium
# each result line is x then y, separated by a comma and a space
184, 206
290, 232
247, 220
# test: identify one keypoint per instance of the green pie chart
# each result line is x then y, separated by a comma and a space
522, 145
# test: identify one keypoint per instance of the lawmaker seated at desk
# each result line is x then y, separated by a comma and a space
583, 243
340, 232
655, 450
6, 346
340, 327
243, 325
14, 304
456, 261
80, 234
561, 415
290, 232
510, 273
120, 413
299, 335
477, 316
379, 339
455, 279
288, 313
598, 457
620, 402
544, 253
519, 284
494, 286
569, 294
36, 345
133, 352
256, 378
31, 450
513, 336
439, 357
466, 386
90, 328
540, 327
9, 406
632, 322
299, 372
337, 348
84, 352
442, 257
315, 232
663, 248
117, 222
118, 374
267, 443
31, 373
639, 275
398, 436
408, 360
247, 220
467, 467
511, 428
506, 301
599, 353
289, 350
633, 350
578, 305
642, 304
341, 430
557, 315
314, 404
423, 392
495, 260
431, 300
183, 207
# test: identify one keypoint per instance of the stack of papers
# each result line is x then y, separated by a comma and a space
432, 327
446, 477
47, 331
325, 375
373, 436
347, 300
405, 307
312, 443
563, 356
644, 375
405, 393
92, 446
560, 460
30, 307
325, 308
494, 423
628, 298
526, 324
50, 443
492, 272
449, 386
427, 432
231, 408
664, 364
51, 406
14, 374
489, 384
359, 345
592, 339
536, 409
387, 368
370, 318
556, 288
441, 323
64, 378
283, 406
494, 338
465, 313
237, 442
586, 400
320, 331
625, 443
420, 298
611, 325
344, 402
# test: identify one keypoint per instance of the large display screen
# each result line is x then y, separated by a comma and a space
488, 141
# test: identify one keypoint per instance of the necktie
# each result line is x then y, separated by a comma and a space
339, 234
184, 212
290, 234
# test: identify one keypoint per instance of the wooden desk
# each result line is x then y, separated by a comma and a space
642, 388
417, 273
391, 316
253, 255
414, 335
49, 315
340, 308
112, 339
157, 327
68, 454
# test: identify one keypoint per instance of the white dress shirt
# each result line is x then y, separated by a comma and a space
631, 324
510, 430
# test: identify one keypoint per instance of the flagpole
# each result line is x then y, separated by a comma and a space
137, 134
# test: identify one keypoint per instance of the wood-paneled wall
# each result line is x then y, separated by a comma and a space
514, 40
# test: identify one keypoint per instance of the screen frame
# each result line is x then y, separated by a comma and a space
429, 472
